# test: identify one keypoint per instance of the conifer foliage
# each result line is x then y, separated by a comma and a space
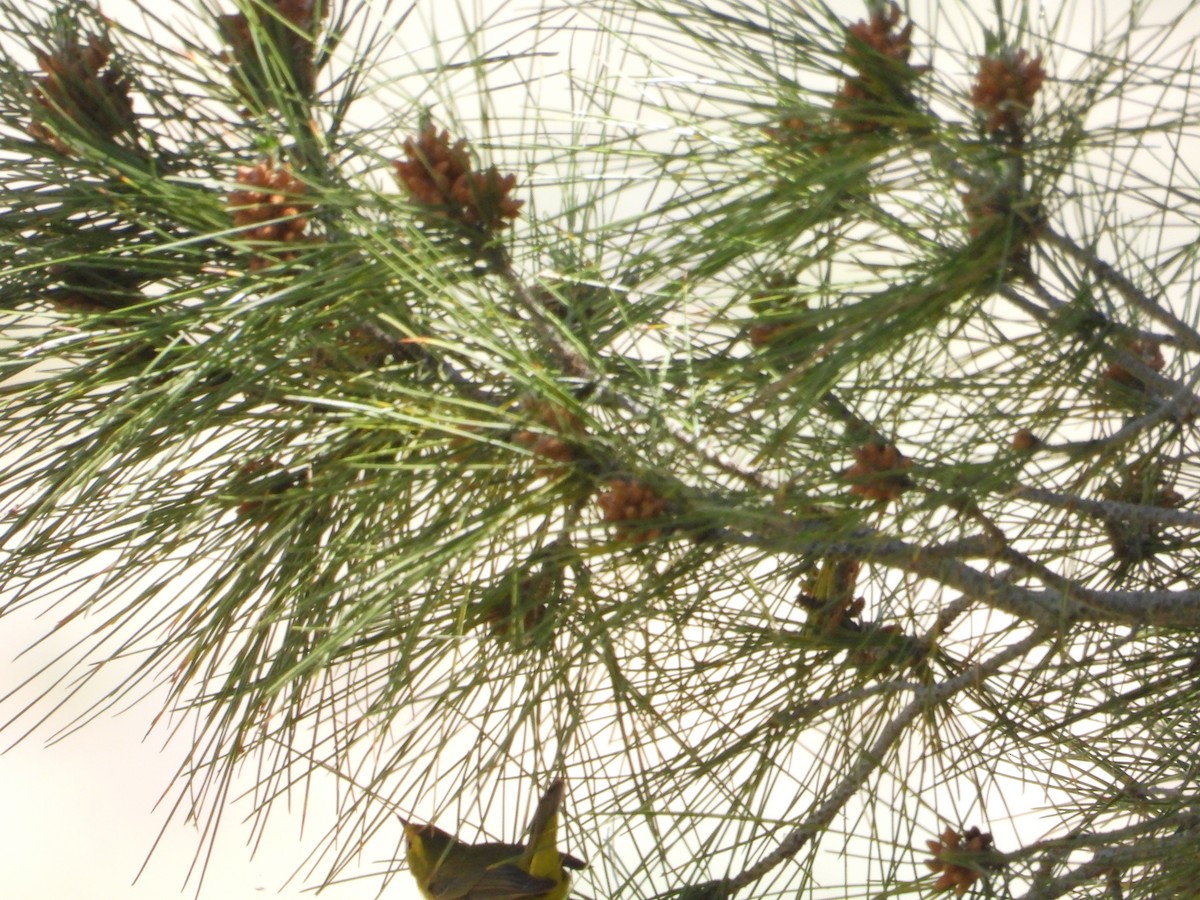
780, 423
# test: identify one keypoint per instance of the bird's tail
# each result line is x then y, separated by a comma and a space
541, 856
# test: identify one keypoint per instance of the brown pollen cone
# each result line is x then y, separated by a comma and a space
1149, 352
879, 54
267, 208
627, 504
438, 174
84, 85
878, 472
287, 33
954, 876
1004, 90
550, 439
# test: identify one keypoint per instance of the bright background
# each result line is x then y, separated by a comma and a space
80, 816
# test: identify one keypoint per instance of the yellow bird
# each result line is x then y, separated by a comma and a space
449, 869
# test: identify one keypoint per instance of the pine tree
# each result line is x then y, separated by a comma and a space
776, 421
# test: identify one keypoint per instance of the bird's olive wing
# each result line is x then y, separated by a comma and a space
509, 882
